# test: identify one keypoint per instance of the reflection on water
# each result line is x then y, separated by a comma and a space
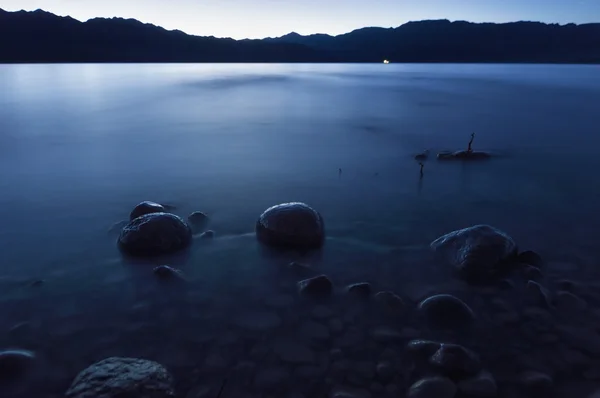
80, 145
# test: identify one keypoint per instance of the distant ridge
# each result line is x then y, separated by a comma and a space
39, 36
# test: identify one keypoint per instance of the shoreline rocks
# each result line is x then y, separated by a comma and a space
146, 207
446, 311
155, 234
292, 225
118, 376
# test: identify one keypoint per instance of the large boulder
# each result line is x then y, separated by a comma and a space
155, 234
478, 252
146, 207
123, 377
291, 225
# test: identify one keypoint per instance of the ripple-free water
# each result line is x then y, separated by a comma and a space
80, 145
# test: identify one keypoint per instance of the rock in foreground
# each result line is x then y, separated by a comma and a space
291, 225
479, 252
155, 234
432, 387
14, 364
446, 311
456, 361
144, 208
123, 377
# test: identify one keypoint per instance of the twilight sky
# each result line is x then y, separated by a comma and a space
262, 18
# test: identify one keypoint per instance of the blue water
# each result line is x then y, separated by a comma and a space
80, 145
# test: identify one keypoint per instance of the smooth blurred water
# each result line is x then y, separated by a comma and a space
80, 145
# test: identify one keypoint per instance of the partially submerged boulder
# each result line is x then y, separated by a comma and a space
291, 225
155, 234
123, 377
479, 252
146, 207
463, 155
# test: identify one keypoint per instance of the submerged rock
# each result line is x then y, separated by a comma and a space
537, 294
360, 290
146, 207
15, 364
198, 219
291, 225
456, 361
530, 257
482, 385
317, 286
463, 155
123, 377
390, 301
479, 252
167, 272
432, 387
210, 234
155, 234
446, 311
536, 382
422, 349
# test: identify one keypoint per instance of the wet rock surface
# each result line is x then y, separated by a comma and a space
198, 220
144, 208
432, 387
359, 290
155, 234
446, 311
318, 286
456, 361
122, 377
291, 225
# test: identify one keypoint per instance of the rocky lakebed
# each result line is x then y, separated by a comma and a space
471, 314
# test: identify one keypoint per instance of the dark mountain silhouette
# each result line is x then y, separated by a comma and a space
40, 36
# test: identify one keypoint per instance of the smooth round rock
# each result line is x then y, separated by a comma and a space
122, 377
482, 385
432, 387
389, 301
291, 225
155, 234
198, 219
359, 290
446, 311
167, 272
146, 207
210, 234
456, 361
14, 364
317, 286
536, 382
530, 257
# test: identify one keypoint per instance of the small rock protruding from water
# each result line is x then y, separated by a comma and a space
536, 383
167, 272
116, 377
197, 220
14, 364
210, 234
456, 361
432, 387
482, 385
349, 392
446, 311
291, 225
537, 294
146, 207
390, 302
320, 286
531, 258
360, 290
155, 234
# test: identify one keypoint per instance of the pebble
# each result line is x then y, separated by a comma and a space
423, 348
351, 338
530, 257
257, 321
483, 385
536, 382
506, 284
215, 361
390, 301
207, 234
455, 361
365, 370
360, 290
336, 354
279, 301
314, 331
300, 268
376, 388
349, 392
321, 312
336, 326
532, 273
309, 372
537, 294
568, 303
386, 335
316, 286
592, 374
167, 272
385, 371
14, 364
293, 352
586, 340
446, 311
271, 378
432, 387
567, 285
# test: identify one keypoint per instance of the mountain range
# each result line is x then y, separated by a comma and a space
42, 37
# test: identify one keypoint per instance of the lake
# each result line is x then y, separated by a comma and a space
81, 145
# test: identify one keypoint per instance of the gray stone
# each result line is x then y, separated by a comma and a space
167, 272
351, 338
336, 354
432, 387
386, 335
532, 273
271, 378
385, 371
506, 284
336, 326
456, 361
293, 352
530, 257
321, 312
446, 311
291, 225
483, 385
349, 392
586, 340
592, 373
360, 290
257, 321
365, 370
314, 331
210, 234
310, 372
198, 219
569, 303
536, 382
390, 302
214, 361
317, 286
279, 301
537, 294
376, 388
14, 364
480, 252
116, 377
144, 208
423, 348
567, 285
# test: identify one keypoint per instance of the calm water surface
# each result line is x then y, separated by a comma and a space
80, 145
